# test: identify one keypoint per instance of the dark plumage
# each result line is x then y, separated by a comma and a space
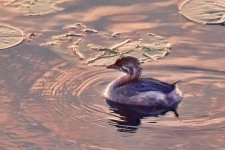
132, 90
127, 59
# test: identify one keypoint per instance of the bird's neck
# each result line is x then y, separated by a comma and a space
123, 80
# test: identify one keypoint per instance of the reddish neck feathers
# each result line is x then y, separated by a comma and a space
128, 78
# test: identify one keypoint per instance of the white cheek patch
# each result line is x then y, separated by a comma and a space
125, 69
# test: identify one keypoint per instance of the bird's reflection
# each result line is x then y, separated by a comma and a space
131, 115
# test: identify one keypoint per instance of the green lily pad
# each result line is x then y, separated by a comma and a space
10, 36
102, 48
204, 11
34, 7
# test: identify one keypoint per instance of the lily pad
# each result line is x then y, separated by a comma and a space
34, 7
10, 36
102, 48
204, 11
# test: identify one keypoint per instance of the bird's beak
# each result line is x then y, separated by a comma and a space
113, 66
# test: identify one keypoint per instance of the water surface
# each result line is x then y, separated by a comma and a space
54, 101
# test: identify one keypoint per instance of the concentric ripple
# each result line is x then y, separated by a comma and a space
202, 107
70, 95
70, 86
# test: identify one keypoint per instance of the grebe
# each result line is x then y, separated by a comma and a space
132, 90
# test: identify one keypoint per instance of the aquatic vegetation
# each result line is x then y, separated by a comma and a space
204, 11
33, 7
101, 48
10, 36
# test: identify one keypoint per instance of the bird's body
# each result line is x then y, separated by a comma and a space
132, 90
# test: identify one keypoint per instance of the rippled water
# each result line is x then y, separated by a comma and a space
54, 102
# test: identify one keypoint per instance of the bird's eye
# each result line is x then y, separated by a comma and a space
125, 69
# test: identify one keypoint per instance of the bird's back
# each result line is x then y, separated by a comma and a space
145, 85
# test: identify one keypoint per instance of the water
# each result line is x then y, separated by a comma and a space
54, 102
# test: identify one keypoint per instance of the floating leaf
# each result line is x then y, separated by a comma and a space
10, 36
34, 7
102, 48
204, 11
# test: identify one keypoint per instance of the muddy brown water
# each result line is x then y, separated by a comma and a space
53, 102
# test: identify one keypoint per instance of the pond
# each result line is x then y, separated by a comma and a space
51, 99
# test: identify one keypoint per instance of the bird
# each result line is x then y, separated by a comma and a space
131, 89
